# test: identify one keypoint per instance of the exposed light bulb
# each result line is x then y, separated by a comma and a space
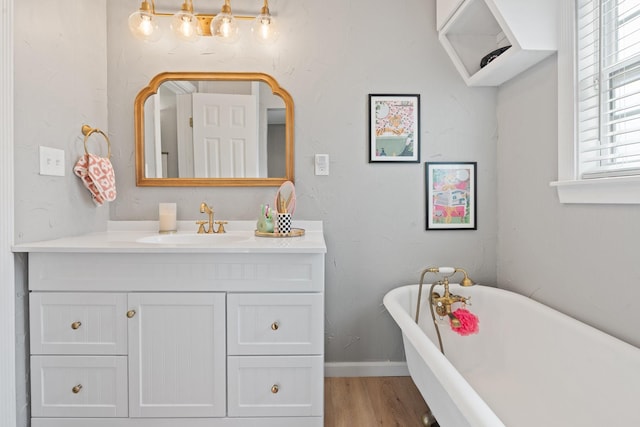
143, 24
224, 25
264, 28
184, 25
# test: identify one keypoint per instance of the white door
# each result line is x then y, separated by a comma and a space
225, 136
177, 355
184, 127
152, 138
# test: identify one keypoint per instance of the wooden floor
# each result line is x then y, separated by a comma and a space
372, 401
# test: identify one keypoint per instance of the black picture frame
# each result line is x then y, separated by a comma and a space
451, 195
394, 128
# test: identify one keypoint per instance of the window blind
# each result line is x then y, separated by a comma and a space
608, 68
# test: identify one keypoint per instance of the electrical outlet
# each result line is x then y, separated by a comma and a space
51, 161
322, 164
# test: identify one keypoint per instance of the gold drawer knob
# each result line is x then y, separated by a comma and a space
77, 389
131, 313
76, 325
275, 389
275, 326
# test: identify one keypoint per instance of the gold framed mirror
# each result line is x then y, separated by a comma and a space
195, 129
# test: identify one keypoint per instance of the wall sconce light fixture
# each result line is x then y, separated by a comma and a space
189, 26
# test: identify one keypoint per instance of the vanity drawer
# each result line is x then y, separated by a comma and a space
79, 386
78, 323
270, 324
263, 386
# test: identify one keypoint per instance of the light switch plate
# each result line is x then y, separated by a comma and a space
51, 161
322, 164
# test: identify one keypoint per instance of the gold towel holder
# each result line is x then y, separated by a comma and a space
87, 131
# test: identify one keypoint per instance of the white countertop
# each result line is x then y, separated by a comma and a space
129, 236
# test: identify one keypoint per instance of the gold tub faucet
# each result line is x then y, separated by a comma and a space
442, 304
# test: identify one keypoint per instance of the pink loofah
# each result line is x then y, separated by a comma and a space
468, 322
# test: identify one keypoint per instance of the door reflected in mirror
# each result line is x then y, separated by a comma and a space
197, 129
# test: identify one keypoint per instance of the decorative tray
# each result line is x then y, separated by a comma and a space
295, 232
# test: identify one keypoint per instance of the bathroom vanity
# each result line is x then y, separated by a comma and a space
128, 328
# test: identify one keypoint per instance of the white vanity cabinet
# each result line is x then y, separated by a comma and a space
177, 338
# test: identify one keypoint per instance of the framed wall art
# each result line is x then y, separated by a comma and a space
451, 195
394, 128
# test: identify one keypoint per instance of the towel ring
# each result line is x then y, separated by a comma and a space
87, 131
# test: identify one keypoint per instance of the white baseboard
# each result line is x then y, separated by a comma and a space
366, 369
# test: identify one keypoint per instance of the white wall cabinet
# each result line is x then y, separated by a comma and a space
200, 342
470, 29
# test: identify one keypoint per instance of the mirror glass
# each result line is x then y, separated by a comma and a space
213, 129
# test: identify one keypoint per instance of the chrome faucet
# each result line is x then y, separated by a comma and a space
204, 208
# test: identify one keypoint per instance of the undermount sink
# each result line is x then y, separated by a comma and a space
194, 239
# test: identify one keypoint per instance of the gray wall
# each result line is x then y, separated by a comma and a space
330, 56
60, 84
374, 214
580, 259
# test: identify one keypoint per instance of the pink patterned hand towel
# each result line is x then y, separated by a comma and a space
97, 175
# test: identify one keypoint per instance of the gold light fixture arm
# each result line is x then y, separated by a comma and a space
187, 6
265, 8
145, 6
226, 8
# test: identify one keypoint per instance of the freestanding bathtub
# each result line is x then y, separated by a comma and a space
529, 366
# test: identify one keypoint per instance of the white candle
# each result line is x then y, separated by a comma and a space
167, 212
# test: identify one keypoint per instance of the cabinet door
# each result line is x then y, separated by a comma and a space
177, 355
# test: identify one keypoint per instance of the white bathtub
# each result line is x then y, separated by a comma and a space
529, 366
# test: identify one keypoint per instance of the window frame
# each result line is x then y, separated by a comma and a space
570, 186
